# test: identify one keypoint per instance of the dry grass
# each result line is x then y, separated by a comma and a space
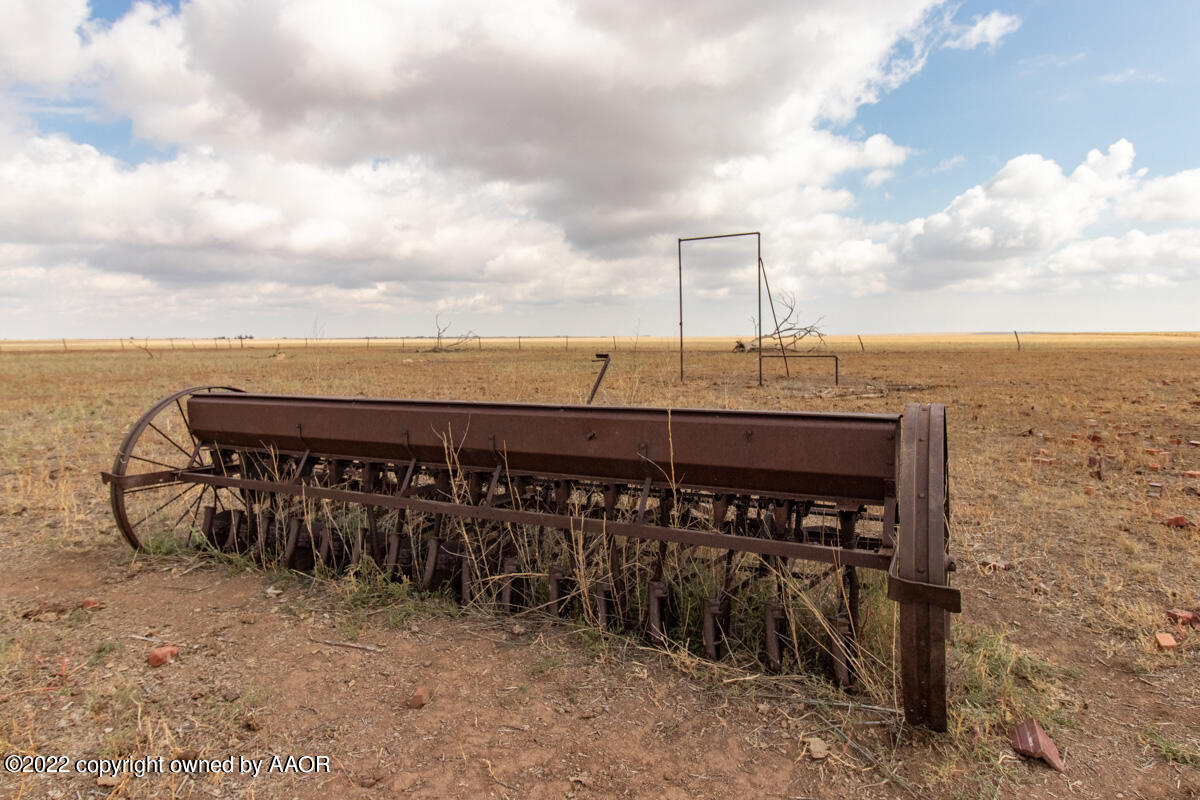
1049, 469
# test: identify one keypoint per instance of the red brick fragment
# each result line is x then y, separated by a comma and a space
1029, 739
1182, 617
1178, 522
91, 602
1154, 467
419, 698
162, 655
1192, 473
1154, 451
1165, 641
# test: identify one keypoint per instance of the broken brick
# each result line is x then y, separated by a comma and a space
1178, 522
419, 697
1154, 467
1192, 473
1165, 641
1182, 617
1029, 739
162, 655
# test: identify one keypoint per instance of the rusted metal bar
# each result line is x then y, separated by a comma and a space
762, 271
607, 359
847, 457
924, 510
782, 548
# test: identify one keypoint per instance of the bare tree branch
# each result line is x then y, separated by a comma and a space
789, 332
443, 344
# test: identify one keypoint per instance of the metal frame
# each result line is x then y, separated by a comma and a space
762, 280
836, 370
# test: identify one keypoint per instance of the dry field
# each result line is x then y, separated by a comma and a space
533, 708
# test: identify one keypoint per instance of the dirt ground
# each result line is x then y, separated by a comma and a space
1069, 459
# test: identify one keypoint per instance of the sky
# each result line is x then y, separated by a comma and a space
379, 168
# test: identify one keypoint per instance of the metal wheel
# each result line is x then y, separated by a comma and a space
148, 503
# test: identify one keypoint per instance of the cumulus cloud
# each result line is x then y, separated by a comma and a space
1028, 227
417, 152
403, 159
1028, 206
40, 43
1173, 198
1135, 258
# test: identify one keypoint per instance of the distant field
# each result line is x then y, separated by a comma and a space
834, 344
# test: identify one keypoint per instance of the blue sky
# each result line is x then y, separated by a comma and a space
218, 167
1075, 76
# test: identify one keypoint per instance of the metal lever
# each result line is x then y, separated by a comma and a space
607, 359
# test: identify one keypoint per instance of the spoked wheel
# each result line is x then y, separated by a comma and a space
148, 503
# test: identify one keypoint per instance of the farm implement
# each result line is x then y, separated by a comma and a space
707, 530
